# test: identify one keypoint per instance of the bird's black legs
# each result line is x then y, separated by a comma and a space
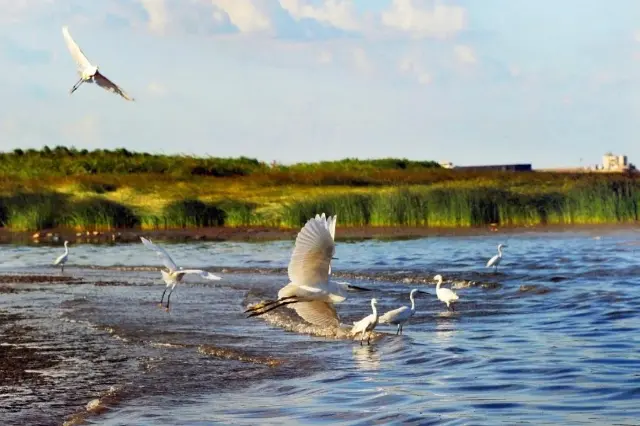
75, 86
453, 307
271, 305
398, 330
62, 269
169, 299
401, 328
162, 298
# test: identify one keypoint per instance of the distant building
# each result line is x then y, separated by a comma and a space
446, 164
498, 167
614, 163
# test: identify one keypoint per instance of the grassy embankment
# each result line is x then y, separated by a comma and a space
102, 190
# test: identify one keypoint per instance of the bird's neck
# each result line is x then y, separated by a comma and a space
499, 251
438, 286
375, 311
413, 303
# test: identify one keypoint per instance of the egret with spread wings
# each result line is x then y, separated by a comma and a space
174, 274
88, 72
310, 291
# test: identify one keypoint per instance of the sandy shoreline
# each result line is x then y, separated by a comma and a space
258, 234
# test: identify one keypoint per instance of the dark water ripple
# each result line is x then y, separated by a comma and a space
552, 338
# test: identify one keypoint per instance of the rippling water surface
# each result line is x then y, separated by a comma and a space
552, 338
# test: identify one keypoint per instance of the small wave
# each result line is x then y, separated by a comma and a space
96, 407
534, 289
287, 319
237, 355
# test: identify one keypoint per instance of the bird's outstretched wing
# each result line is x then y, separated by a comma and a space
311, 257
329, 223
107, 84
317, 313
203, 274
77, 54
166, 259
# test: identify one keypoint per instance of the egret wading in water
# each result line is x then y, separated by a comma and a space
62, 259
444, 294
310, 292
174, 274
495, 260
88, 72
401, 315
366, 324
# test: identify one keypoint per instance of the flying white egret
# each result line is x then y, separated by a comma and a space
62, 259
444, 294
310, 292
174, 274
88, 72
495, 260
366, 324
401, 315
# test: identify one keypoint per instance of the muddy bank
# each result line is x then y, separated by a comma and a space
257, 234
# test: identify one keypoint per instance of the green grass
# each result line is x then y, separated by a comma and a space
120, 189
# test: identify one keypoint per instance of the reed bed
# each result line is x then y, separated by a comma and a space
64, 187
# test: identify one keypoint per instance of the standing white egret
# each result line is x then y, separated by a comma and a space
174, 274
62, 259
310, 292
495, 260
88, 72
401, 315
444, 294
366, 324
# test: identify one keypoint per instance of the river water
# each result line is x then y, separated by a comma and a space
552, 338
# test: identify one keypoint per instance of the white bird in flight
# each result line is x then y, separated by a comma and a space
62, 259
401, 315
89, 73
366, 324
444, 294
310, 292
174, 274
495, 260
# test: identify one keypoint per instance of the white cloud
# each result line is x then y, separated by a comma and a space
636, 36
247, 15
411, 65
13, 11
338, 13
465, 54
441, 21
157, 14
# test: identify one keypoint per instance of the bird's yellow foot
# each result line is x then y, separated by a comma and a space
166, 309
160, 305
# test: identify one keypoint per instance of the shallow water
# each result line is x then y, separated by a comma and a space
552, 338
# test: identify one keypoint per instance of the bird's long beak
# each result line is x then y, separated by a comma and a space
423, 292
355, 287
333, 258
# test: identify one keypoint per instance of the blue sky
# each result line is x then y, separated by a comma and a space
554, 83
